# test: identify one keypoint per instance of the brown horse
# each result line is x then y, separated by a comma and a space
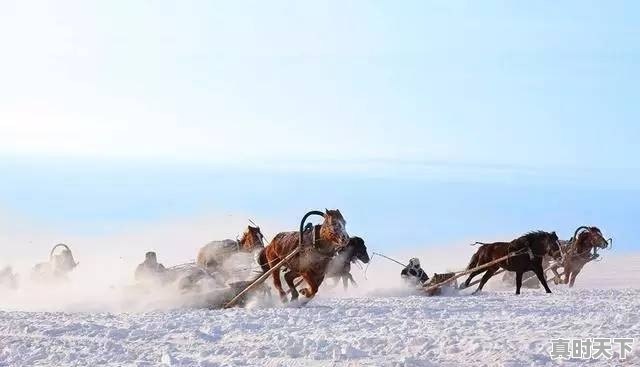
340, 265
318, 244
529, 251
579, 253
212, 255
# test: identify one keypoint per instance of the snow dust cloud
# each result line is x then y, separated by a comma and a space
103, 280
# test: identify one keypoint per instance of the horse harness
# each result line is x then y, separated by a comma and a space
317, 243
572, 253
521, 252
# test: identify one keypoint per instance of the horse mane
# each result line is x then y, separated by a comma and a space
535, 235
532, 237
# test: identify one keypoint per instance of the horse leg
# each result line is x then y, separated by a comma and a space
289, 277
540, 274
314, 284
573, 277
518, 281
318, 282
468, 281
277, 283
567, 274
486, 278
308, 292
556, 277
353, 282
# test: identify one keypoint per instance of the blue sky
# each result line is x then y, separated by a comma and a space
453, 119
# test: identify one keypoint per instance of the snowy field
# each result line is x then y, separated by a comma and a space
379, 324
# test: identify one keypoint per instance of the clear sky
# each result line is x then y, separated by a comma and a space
426, 119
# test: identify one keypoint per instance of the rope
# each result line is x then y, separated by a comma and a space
388, 258
366, 268
373, 253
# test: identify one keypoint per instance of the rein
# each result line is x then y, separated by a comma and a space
388, 258
373, 253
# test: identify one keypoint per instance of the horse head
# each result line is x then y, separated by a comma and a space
597, 239
590, 237
251, 239
333, 228
357, 250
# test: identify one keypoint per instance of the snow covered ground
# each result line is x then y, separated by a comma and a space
378, 324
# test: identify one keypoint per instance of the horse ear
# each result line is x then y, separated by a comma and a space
326, 211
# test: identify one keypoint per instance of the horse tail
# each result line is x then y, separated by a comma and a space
262, 260
474, 261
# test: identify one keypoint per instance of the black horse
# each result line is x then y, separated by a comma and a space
529, 249
340, 265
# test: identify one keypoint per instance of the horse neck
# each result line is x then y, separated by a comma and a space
246, 246
326, 232
249, 243
538, 243
348, 254
582, 243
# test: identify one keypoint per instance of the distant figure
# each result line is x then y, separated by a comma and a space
60, 264
212, 255
150, 269
8, 279
413, 273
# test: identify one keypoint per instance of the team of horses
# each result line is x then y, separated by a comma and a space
316, 252
535, 251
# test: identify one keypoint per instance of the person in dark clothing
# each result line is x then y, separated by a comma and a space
413, 273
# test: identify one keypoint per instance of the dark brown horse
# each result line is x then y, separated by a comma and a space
212, 255
529, 251
340, 265
578, 252
318, 244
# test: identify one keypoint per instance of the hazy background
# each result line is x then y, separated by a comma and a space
156, 125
